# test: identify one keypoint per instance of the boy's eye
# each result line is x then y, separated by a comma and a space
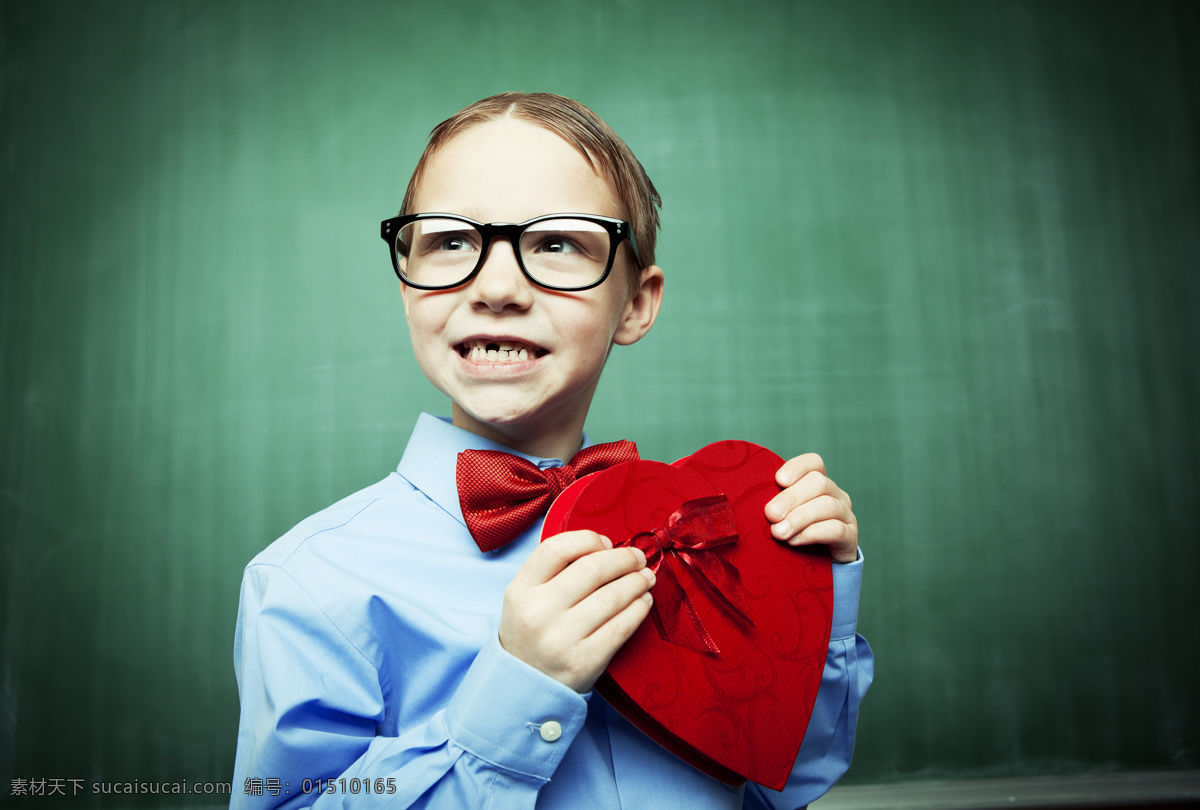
455, 243
430, 237
566, 240
558, 244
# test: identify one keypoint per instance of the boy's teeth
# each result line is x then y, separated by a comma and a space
496, 351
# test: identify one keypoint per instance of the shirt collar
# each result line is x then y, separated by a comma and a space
431, 457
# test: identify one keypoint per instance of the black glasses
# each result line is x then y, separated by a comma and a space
566, 252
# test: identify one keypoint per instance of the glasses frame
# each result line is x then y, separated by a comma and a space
618, 231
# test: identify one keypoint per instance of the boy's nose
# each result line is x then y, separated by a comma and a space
500, 284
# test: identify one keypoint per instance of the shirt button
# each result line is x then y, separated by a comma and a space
551, 730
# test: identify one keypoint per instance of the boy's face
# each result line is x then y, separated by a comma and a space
536, 400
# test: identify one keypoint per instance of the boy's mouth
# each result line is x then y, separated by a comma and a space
486, 350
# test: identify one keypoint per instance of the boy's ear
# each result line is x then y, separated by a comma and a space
642, 308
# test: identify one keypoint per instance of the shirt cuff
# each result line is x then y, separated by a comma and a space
847, 582
512, 715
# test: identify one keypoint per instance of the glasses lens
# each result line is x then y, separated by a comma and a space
566, 252
437, 252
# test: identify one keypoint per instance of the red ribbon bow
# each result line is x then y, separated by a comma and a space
501, 495
698, 525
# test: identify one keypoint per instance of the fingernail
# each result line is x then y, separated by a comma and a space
607, 543
649, 574
783, 528
649, 599
641, 555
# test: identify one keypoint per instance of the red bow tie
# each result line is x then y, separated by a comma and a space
502, 495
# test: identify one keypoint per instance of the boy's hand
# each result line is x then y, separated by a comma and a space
572, 605
813, 509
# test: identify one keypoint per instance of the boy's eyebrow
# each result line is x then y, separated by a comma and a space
440, 225
453, 210
581, 225
451, 226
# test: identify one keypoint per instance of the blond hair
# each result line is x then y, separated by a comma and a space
578, 126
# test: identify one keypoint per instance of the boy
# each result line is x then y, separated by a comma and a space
385, 654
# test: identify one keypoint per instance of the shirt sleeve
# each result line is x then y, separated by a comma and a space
312, 706
829, 741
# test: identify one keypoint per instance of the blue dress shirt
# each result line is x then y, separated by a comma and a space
370, 672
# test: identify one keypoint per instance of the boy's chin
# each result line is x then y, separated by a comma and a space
515, 422
495, 416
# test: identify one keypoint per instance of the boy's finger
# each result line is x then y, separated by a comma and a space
609, 637
813, 485
840, 538
591, 572
823, 507
556, 553
796, 468
607, 601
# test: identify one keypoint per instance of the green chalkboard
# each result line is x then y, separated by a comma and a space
953, 247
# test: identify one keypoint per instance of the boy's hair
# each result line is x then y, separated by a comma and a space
581, 128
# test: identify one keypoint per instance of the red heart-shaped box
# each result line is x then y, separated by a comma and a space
739, 713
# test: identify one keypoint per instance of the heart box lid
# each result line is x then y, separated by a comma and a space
725, 671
